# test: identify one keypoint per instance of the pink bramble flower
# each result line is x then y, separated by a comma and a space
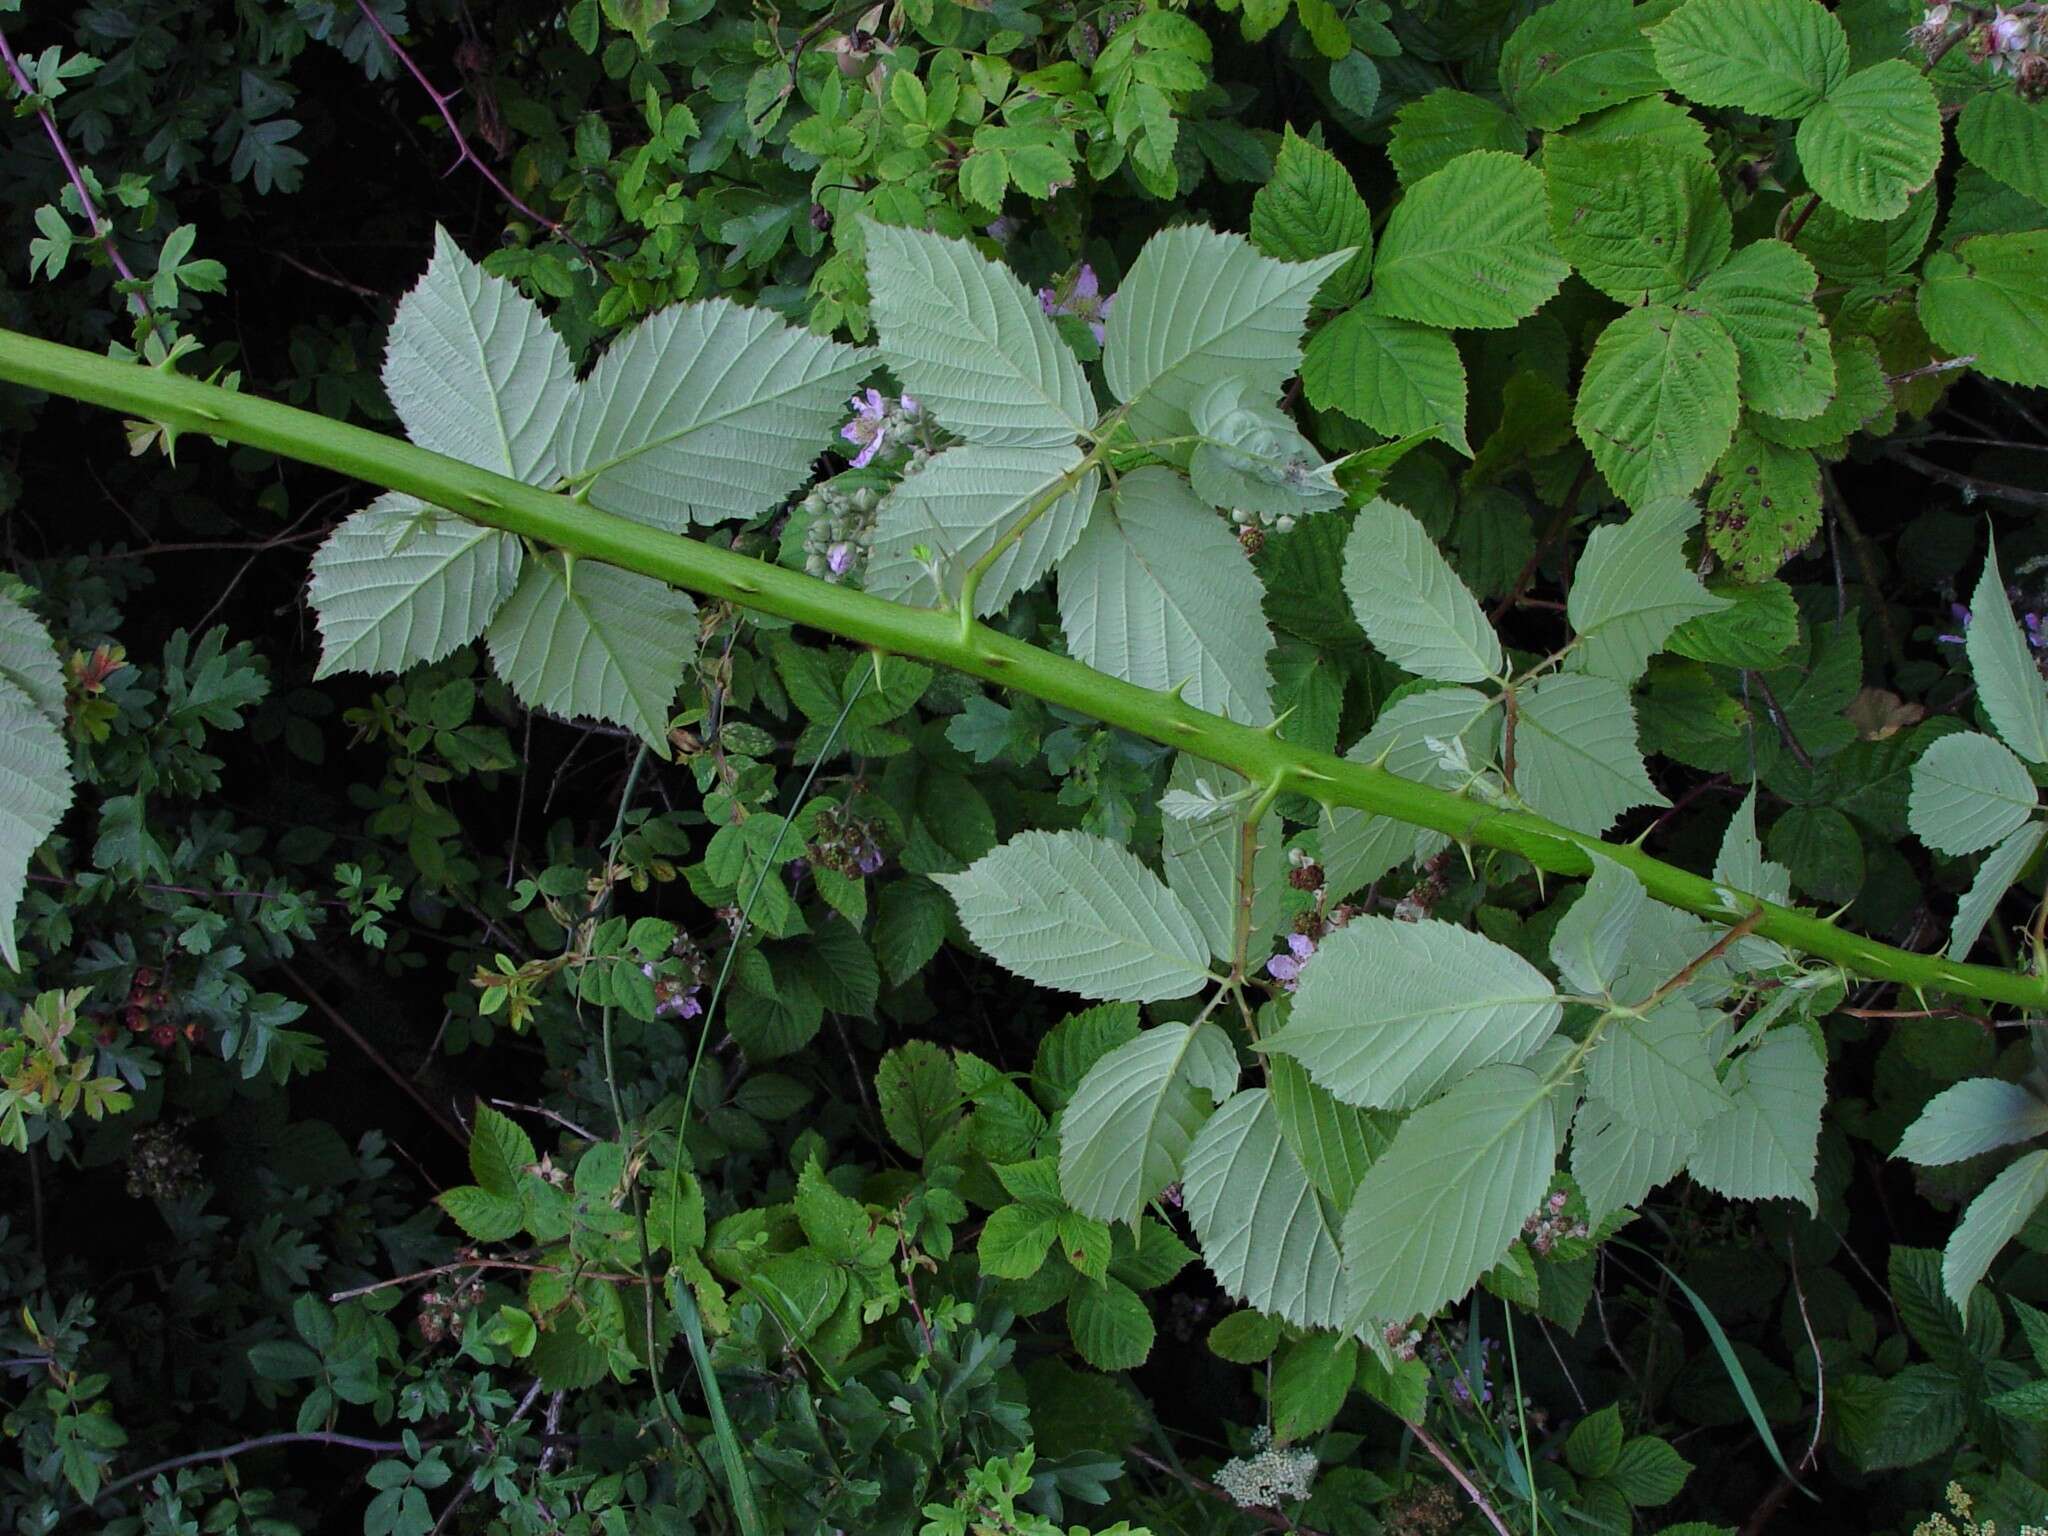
2008, 34
1080, 296
867, 431
879, 424
1286, 969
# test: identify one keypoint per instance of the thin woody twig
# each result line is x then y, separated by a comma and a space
1994, 489
102, 230
405, 1084
480, 1263
1445, 1460
464, 154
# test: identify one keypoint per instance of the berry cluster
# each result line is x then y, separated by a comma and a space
146, 1013
842, 526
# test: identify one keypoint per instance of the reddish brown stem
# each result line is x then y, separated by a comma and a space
464, 154
102, 230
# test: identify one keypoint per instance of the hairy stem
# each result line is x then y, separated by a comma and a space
937, 636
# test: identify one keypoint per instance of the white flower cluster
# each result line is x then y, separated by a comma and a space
1270, 1474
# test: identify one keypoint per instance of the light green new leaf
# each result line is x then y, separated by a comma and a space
1077, 912
597, 643
2008, 681
1196, 303
1773, 58
964, 504
1127, 1129
1654, 1071
1158, 592
1617, 1162
1874, 142
1310, 207
1639, 223
475, 371
2002, 865
1441, 1206
971, 343
1441, 736
1591, 940
1335, 1141
401, 583
1763, 299
1397, 377
28, 658
706, 412
1633, 587
2007, 138
1970, 1118
1414, 609
35, 791
1576, 755
1573, 57
1264, 1232
1993, 1220
1469, 246
1389, 1013
1764, 1146
1432, 131
1658, 402
1985, 300
1968, 793
1203, 861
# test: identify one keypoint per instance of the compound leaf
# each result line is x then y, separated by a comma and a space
1126, 1132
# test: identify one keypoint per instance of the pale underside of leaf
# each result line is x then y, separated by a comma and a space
1265, 1232
1080, 913
592, 641
1968, 793
1441, 736
1993, 1219
401, 583
971, 344
1196, 305
35, 791
1618, 1162
28, 658
1576, 755
1764, 1146
1633, 587
1975, 1116
706, 411
1413, 607
1655, 1070
1158, 593
1389, 1013
1125, 1134
1204, 864
475, 371
965, 503
2008, 680
2002, 865
1441, 1206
